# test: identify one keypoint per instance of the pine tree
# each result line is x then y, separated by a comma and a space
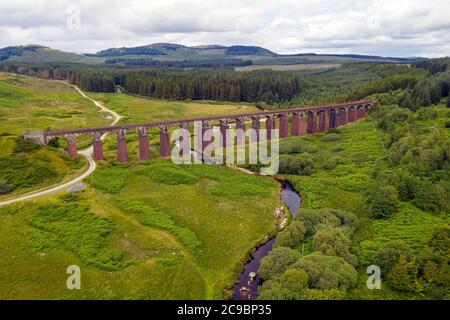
401, 276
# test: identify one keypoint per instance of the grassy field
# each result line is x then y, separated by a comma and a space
153, 231
28, 104
139, 231
139, 109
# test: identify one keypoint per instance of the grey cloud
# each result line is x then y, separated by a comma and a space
383, 27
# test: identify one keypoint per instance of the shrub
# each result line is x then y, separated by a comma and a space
71, 197
402, 275
273, 290
315, 220
292, 235
333, 162
389, 254
427, 114
334, 130
337, 148
79, 231
298, 165
433, 261
277, 261
148, 216
295, 145
110, 180
329, 294
332, 242
330, 137
25, 146
6, 188
348, 220
383, 201
432, 197
170, 175
327, 272
447, 124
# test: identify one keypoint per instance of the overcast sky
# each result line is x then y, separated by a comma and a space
382, 27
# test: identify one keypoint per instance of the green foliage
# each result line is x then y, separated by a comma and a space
328, 294
71, 197
331, 137
432, 197
337, 148
383, 201
327, 272
405, 183
389, 254
299, 165
332, 242
79, 231
19, 171
333, 162
291, 145
25, 146
168, 174
315, 220
110, 180
155, 218
231, 184
6, 188
276, 262
425, 114
401, 276
292, 235
41, 240
433, 262
292, 285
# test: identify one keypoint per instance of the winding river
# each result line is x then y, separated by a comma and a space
247, 288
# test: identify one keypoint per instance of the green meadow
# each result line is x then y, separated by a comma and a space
144, 231
136, 109
139, 231
29, 104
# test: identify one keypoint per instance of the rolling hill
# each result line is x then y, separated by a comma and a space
176, 55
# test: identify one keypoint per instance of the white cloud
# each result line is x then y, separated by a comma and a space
382, 27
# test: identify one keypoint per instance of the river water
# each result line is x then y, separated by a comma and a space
247, 288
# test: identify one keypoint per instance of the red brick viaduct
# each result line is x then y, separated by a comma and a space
305, 120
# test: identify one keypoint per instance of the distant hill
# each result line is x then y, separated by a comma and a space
170, 49
176, 55
41, 54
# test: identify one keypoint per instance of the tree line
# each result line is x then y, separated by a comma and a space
223, 85
424, 83
177, 84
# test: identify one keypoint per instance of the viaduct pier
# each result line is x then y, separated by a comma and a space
294, 122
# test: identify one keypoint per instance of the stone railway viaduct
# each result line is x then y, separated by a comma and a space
305, 120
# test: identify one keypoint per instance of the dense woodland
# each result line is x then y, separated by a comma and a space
424, 82
205, 63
